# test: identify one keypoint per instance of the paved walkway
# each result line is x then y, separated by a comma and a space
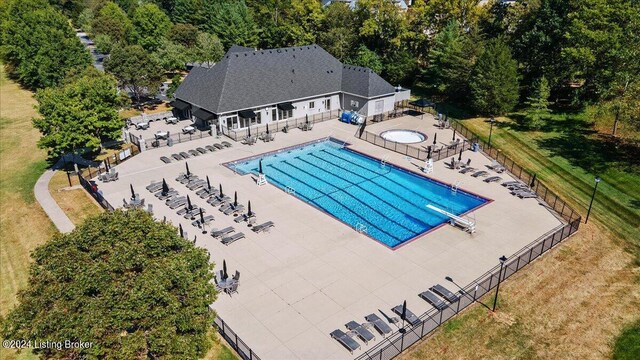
55, 213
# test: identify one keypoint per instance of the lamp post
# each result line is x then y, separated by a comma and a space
597, 179
491, 121
495, 300
448, 278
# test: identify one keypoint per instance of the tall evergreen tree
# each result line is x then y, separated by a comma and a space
231, 22
366, 58
494, 81
538, 104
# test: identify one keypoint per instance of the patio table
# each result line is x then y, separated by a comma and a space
188, 130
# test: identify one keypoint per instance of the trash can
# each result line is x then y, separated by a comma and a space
475, 147
169, 142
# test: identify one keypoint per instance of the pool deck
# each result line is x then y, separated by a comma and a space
311, 274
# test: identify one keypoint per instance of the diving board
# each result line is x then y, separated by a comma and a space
469, 226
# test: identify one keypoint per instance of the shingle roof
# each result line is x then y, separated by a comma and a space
246, 79
239, 49
363, 81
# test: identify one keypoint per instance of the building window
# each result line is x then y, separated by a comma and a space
312, 104
327, 103
285, 114
355, 103
274, 114
232, 122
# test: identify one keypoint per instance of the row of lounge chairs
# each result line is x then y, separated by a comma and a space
112, 175
196, 152
520, 189
438, 296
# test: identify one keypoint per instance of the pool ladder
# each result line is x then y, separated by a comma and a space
361, 228
289, 190
383, 161
454, 187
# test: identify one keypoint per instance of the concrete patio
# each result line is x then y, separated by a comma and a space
311, 274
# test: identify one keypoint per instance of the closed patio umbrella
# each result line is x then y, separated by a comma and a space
165, 187
260, 166
454, 134
429, 152
106, 165
133, 193
249, 209
403, 316
267, 129
225, 276
248, 130
181, 231
306, 118
221, 194
460, 156
533, 181
208, 184
188, 202
435, 136
202, 222
188, 172
235, 199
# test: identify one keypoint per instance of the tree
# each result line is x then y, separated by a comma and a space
538, 104
399, 67
113, 21
624, 106
172, 56
451, 62
183, 34
84, 20
150, 26
208, 48
71, 8
337, 34
231, 22
135, 69
367, 58
383, 28
494, 81
125, 283
176, 80
79, 114
104, 43
37, 43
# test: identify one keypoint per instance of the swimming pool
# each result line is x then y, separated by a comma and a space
384, 201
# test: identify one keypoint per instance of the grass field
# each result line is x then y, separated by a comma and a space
575, 301
75, 202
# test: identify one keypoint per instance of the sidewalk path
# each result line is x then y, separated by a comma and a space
55, 213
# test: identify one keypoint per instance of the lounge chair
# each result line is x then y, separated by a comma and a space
165, 159
217, 200
169, 195
492, 179
217, 233
233, 238
432, 299
176, 157
189, 180
466, 170
210, 148
218, 146
201, 150
507, 183
346, 340
496, 166
205, 190
233, 209
185, 210
410, 316
444, 292
154, 185
226, 144
184, 155
225, 207
194, 185
382, 327
169, 201
364, 334
244, 217
263, 227
480, 173
193, 152
527, 195
177, 203
207, 220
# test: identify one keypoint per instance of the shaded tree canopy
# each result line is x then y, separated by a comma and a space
79, 114
38, 45
494, 81
124, 282
136, 69
113, 21
150, 25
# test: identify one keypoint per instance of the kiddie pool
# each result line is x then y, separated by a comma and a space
404, 136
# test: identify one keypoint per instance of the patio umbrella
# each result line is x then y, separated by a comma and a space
267, 129
260, 165
165, 187
249, 209
403, 316
188, 202
460, 156
249, 130
235, 199
202, 222
429, 152
454, 134
181, 231
435, 136
224, 270
188, 172
208, 184
306, 118
221, 195
533, 181
106, 165
133, 193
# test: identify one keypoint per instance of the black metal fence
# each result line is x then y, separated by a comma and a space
177, 138
92, 189
420, 153
393, 345
232, 338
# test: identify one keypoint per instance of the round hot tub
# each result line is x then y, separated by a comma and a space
404, 136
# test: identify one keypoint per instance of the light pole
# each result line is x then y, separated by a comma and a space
491, 121
495, 300
448, 278
592, 197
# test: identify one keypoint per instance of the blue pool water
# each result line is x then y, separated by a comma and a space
360, 191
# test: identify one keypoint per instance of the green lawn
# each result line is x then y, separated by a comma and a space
627, 346
567, 154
